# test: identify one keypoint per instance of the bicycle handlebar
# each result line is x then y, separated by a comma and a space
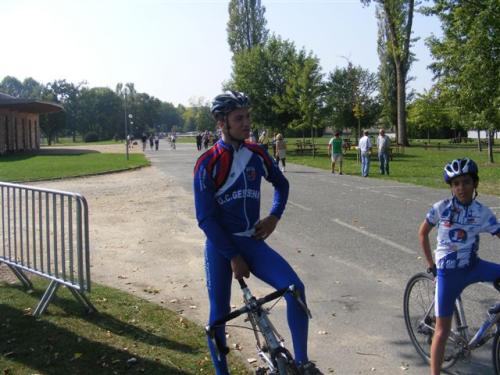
247, 308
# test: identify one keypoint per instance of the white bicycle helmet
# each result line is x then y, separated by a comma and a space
225, 103
460, 167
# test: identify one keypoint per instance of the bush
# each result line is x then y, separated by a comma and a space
91, 137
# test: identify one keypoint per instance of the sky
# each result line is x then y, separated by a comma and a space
177, 50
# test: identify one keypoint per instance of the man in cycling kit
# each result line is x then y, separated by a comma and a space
459, 221
226, 187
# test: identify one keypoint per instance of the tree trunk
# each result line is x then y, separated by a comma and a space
401, 96
490, 145
479, 147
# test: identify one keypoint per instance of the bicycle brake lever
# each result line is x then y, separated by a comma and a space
297, 296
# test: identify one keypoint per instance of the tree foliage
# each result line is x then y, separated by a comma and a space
263, 73
348, 89
246, 27
467, 59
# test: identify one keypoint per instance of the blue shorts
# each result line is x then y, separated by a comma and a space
451, 282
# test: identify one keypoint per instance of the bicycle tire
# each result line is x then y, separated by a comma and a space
495, 351
418, 297
285, 364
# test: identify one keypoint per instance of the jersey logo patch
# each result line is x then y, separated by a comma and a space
458, 235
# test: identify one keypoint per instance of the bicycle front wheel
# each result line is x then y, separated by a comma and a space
285, 364
420, 319
496, 352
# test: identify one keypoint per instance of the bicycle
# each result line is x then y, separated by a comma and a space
275, 356
420, 321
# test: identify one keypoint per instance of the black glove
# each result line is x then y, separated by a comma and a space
432, 270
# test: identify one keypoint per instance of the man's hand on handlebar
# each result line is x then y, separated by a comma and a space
239, 267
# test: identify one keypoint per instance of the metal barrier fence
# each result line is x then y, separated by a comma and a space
46, 232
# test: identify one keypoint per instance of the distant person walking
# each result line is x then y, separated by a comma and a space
157, 142
144, 139
365, 147
151, 141
335, 151
280, 151
199, 139
383, 146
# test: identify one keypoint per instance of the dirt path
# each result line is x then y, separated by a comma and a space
144, 238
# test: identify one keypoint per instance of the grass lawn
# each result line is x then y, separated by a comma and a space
32, 167
416, 164
129, 335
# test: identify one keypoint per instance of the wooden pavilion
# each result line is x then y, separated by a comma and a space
20, 123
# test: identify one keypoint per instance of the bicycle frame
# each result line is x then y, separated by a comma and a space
273, 352
260, 322
462, 337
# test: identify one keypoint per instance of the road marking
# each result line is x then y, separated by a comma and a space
411, 200
391, 195
375, 236
299, 206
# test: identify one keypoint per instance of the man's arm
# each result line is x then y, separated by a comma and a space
423, 237
266, 226
206, 213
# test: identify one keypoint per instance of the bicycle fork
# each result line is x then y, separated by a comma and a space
261, 323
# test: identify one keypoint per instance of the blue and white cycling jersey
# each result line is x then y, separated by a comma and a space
459, 227
227, 192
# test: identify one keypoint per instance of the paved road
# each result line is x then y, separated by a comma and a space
354, 242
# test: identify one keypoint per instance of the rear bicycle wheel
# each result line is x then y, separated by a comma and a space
420, 319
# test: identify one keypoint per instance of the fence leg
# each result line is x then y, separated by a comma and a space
22, 277
83, 300
47, 296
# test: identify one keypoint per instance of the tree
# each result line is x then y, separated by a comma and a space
304, 93
12, 86
467, 60
397, 16
263, 73
246, 27
350, 98
386, 76
66, 94
430, 114
100, 111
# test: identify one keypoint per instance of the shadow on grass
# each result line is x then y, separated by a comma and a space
50, 349
65, 151
70, 307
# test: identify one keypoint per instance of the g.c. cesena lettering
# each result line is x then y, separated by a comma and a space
238, 194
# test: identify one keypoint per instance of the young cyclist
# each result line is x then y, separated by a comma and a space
227, 199
459, 221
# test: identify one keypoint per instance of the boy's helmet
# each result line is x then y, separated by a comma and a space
225, 103
459, 167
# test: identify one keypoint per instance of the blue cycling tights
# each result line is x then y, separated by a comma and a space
270, 267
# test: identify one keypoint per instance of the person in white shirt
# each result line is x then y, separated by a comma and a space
365, 147
383, 146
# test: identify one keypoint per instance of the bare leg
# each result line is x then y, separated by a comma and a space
443, 327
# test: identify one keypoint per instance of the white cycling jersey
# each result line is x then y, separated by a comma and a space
459, 227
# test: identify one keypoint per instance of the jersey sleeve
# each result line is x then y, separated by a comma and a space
207, 212
281, 188
491, 224
432, 216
